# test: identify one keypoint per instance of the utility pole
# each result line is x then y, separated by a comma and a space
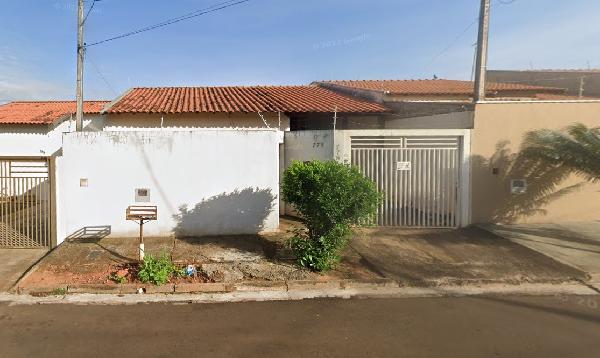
581, 86
482, 51
80, 53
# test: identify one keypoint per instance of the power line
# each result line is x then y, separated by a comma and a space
457, 38
204, 11
453, 42
111, 88
89, 10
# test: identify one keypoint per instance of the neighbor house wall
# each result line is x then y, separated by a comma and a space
40, 139
304, 146
187, 121
308, 145
586, 81
497, 137
26, 140
452, 120
204, 182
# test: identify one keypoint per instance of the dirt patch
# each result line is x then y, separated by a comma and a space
226, 259
411, 257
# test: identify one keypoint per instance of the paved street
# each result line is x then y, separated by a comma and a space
559, 326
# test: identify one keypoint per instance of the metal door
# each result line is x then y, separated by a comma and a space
418, 176
25, 203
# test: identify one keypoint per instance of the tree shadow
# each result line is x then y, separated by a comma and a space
237, 213
551, 232
492, 180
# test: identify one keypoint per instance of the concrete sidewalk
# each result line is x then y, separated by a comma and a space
574, 244
376, 257
438, 257
15, 262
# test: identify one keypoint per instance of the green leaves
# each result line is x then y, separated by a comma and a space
577, 148
157, 270
331, 197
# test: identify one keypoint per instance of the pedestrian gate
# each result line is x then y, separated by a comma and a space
418, 177
25, 203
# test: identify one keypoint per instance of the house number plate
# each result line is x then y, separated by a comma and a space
403, 166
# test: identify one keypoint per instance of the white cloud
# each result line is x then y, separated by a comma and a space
17, 82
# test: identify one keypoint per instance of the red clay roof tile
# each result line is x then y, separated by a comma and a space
44, 112
437, 87
240, 99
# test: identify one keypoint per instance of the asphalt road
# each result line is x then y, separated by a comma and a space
561, 326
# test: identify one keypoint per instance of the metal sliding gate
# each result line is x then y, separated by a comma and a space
417, 175
25, 203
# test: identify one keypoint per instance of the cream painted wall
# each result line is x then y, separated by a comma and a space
497, 136
308, 145
204, 182
304, 146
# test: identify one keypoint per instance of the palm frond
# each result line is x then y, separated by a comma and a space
577, 148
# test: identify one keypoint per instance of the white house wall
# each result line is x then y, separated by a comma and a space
203, 182
187, 121
40, 140
26, 140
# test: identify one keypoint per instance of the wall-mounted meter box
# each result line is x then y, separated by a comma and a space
142, 195
518, 186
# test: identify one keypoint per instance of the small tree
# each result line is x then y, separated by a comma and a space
331, 197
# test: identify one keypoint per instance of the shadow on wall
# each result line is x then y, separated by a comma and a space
492, 198
239, 212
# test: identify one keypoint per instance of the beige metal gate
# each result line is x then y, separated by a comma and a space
417, 175
25, 202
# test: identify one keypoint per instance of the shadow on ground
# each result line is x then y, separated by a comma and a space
427, 257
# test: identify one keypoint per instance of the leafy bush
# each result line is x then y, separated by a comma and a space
157, 270
331, 198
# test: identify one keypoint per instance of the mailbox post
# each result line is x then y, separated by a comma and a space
141, 214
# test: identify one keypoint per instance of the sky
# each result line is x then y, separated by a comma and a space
281, 42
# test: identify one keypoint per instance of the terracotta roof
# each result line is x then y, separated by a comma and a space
44, 112
563, 97
436, 87
239, 99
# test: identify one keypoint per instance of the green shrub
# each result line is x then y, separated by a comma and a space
59, 291
157, 270
331, 198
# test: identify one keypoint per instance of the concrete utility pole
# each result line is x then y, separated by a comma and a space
482, 51
581, 86
80, 52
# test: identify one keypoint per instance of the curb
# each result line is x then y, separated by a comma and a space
276, 292
283, 290
187, 288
